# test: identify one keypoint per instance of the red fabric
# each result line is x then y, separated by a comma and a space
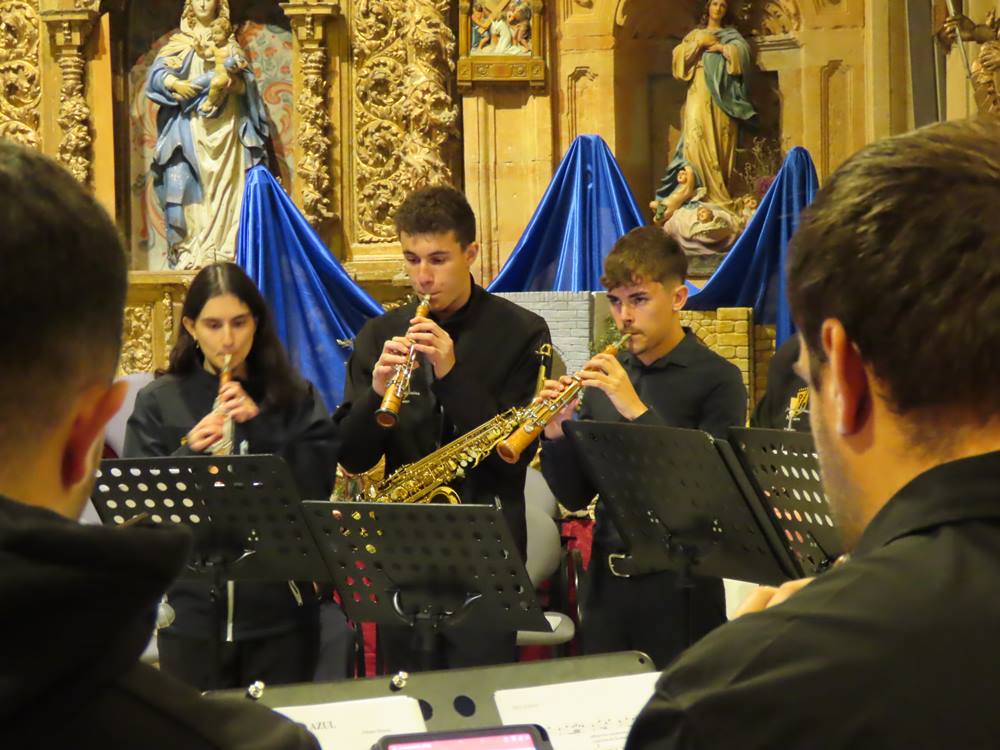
580, 536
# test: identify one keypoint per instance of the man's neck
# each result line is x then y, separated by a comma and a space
460, 302
674, 337
35, 482
885, 474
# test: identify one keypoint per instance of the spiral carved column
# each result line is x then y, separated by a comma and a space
311, 106
68, 31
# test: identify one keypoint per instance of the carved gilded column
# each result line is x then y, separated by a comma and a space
21, 92
68, 31
311, 105
405, 116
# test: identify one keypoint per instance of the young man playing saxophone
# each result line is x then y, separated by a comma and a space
666, 377
478, 356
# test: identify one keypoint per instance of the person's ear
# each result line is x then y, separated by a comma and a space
680, 297
471, 252
189, 326
91, 412
846, 380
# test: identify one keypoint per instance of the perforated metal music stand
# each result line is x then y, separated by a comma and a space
431, 567
244, 511
679, 502
784, 470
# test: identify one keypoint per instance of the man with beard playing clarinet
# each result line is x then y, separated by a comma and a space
477, 356
666, 377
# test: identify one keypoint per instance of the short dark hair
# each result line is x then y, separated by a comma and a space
902, 246
436, 210
267, 363
644, 254
62, 292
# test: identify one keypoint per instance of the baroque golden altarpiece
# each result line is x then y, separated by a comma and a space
382, 106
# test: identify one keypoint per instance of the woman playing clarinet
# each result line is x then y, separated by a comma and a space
259, 405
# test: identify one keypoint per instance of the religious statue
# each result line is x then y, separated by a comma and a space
504, 30
715, 58
703, 228
211, 127
984, 72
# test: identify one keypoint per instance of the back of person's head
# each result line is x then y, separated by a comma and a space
62, 293
267, 362
902, 246
645, 254
437, 210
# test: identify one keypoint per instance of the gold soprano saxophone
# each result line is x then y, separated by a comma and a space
541, 412
399, 386
424, 481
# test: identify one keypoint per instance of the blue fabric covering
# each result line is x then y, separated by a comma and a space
753, 273
587, 206
314, 300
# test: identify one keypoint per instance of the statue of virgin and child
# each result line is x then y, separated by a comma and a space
693, 201
211, 128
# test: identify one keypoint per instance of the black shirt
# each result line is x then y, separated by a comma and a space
691, 386
496, 367
77, 604
785, 403
897, 648
303, 434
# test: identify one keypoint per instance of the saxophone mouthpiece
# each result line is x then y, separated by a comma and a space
424, 308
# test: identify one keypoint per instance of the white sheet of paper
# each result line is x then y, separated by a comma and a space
357, 725
584, 715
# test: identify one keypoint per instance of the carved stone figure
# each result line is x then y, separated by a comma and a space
211, 127
703, 228
714, 57
985, 70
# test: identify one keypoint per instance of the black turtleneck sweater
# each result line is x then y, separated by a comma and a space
496, 367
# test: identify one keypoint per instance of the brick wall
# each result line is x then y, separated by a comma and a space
570, 319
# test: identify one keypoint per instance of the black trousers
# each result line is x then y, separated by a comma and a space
210, 665
651, 613
454, 649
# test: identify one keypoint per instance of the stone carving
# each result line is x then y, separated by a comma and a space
68, 30
405, 115
137, 354
314, 139
74, 116
20, 81
775, 18
168, 320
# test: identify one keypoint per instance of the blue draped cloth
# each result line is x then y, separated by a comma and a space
753, 273
586, 208
315, 302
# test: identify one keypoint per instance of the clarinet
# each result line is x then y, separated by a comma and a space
541, 412
399, 386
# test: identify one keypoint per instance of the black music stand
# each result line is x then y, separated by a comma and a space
784, 470
681, 502
431, 567
244, 511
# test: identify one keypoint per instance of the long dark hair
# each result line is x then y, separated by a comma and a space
268, 367
727, 20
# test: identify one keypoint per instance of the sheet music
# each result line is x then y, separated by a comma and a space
357, 725
584, 715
